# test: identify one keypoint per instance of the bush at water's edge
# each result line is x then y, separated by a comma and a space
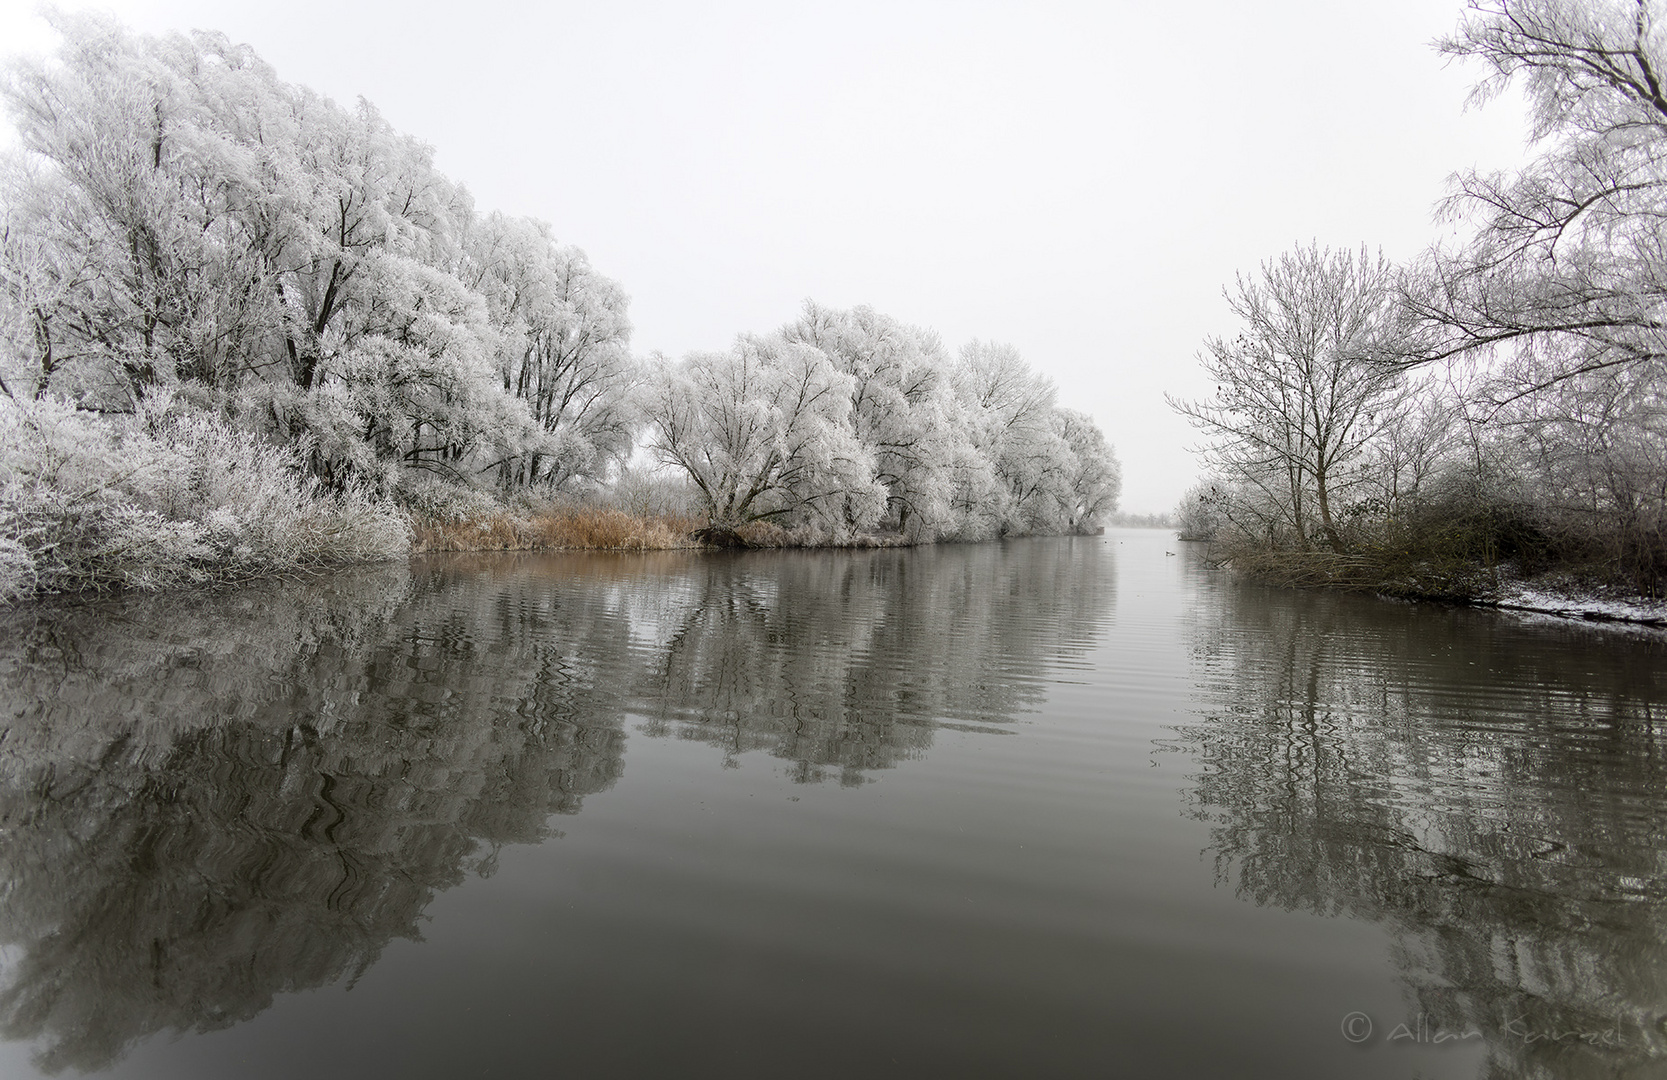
156, 499
1477, 555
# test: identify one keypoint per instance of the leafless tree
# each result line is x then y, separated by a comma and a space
1301, 390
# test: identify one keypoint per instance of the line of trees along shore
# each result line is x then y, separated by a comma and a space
1499, 401
244, 328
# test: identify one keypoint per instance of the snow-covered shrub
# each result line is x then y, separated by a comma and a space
426, 496
164, 497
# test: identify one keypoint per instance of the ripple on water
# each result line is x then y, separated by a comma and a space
1033, 807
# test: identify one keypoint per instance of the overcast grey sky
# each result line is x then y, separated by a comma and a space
1077, 179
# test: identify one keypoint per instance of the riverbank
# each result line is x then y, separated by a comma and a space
79, 550
1582, 592
1571, 599
602, 528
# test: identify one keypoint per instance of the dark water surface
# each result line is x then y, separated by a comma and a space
1045, 808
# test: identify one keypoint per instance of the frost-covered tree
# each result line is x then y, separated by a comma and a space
1302, 391
416, 386
1095, 479
1559, 291
1011, 413
565, 349
188, 221
180, 225
1200, 514
1567, 265
31, 291
1419, 454
1586, 463
131, 246
764, 432
903, 410
1540, 440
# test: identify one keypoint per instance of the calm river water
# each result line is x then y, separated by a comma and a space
1062, 807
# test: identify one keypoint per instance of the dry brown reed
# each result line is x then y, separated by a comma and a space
604, 528
597, 528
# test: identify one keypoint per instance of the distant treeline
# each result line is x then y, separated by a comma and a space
227, 302
1123, 519
1498, 403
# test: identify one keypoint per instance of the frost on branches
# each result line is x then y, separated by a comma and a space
198, 258
181, 220
847, 422
1499, 406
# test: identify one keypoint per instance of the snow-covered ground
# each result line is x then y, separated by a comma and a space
1571, 600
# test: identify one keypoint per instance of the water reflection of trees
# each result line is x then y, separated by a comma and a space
209, 800
257, 792
1492, 791
845, 665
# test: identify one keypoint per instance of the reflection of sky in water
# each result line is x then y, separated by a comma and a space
210, 802
654, 608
